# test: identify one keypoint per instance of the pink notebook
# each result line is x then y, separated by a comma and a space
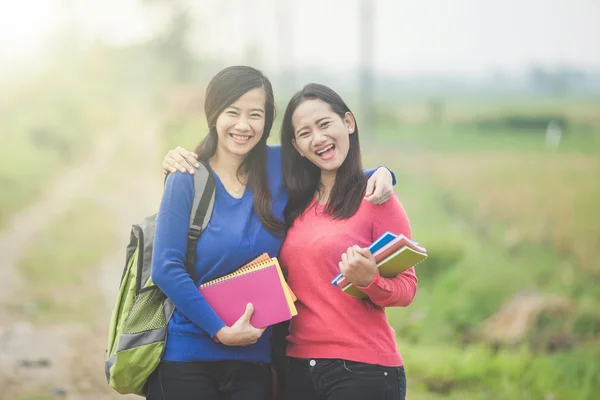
262, 285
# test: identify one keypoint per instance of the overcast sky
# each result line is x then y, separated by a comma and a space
410, 36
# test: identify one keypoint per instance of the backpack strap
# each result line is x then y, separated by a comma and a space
204, 198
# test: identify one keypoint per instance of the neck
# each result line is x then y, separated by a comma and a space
326, 185
226, 163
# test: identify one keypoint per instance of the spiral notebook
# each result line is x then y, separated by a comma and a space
259, 282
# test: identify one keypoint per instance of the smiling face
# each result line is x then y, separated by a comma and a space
321, 135
241, 125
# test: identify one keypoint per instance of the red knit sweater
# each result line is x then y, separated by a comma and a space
331, 324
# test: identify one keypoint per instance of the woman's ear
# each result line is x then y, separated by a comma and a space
350, 122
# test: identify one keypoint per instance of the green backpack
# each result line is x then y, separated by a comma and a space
138, 327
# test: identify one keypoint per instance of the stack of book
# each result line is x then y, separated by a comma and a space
393, 254
259, 282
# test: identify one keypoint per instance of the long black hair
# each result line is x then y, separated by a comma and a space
302, 178
223, 90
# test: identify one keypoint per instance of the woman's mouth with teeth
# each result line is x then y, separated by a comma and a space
239, 138
325, 150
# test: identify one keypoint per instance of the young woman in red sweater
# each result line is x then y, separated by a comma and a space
339, 347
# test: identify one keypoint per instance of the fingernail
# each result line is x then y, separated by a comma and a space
197, 165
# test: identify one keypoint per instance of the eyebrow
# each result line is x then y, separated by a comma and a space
254, 109
316, 122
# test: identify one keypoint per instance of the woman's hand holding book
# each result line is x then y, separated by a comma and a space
358, 266
241, 333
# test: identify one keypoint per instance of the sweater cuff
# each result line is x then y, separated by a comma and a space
375, 289
213, 326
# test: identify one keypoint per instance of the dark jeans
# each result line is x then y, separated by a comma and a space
335, 379
219, 380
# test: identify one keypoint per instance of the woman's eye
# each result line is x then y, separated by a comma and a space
231, 112
325, 124
256, 115
303, 134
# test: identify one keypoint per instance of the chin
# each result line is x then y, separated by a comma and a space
241, 153
335, 165
329, 167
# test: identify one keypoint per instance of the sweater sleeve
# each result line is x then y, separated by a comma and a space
401, 290
169, 254
370, 172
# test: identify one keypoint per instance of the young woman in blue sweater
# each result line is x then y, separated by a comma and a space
204, 358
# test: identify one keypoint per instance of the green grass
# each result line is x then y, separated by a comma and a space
60, 266
476, 372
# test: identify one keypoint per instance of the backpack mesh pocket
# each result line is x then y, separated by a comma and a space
147, 312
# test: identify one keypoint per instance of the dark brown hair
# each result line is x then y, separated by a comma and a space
223, 90
302, 178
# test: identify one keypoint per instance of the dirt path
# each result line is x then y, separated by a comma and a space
74, 354
25, 225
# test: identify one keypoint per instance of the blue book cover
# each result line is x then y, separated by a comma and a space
376, 245
382, 241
